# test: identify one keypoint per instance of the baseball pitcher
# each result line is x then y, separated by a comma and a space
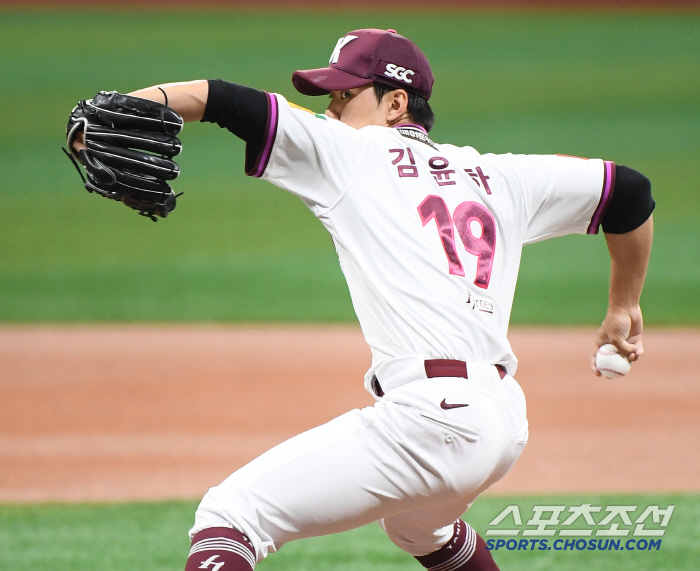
429, 238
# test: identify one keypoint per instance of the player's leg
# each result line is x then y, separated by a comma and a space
356, 469
465, 551
452, 547
435, 534
363, 466
217, 547
342, 475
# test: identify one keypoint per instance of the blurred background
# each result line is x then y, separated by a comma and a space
621, 84
110, 403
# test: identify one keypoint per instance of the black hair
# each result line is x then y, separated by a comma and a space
418, 107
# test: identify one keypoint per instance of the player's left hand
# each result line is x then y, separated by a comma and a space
126, 145
622, 328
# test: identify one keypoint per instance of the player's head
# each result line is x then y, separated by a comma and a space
394, 65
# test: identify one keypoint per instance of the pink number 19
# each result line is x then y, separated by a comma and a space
465, 215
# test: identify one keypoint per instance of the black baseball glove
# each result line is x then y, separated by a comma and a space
129, 142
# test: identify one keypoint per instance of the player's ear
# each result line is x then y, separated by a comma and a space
398, 104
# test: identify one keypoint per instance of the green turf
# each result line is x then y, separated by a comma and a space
621, 86
153, 536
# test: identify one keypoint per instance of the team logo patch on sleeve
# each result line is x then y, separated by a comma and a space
295, 106
571, 157
317, 115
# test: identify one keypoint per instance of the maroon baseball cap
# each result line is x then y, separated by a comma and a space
364, 56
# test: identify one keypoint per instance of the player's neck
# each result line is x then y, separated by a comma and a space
405, 119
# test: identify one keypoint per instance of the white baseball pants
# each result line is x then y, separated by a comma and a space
405, 462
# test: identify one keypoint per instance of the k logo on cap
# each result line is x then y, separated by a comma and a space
342, 42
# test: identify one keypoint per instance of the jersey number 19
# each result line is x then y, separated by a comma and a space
476, 228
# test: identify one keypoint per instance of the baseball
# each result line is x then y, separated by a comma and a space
610, 363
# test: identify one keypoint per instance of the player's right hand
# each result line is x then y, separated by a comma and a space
622, 328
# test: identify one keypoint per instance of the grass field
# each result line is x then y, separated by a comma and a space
621, 86
124, 537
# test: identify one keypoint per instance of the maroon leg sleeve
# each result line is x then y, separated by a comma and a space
466, 551
221, 548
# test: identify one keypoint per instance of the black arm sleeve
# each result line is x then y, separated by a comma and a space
631, 203
240, 109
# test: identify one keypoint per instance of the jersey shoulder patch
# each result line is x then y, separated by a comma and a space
295, 106
571, 157
317, 115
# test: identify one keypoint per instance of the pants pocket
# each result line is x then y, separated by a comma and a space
469, 433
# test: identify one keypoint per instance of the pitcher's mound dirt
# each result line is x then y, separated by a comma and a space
113, 413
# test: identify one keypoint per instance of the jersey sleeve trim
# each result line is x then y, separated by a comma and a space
265, 152
605, 197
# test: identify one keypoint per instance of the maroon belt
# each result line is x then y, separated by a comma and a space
440, 368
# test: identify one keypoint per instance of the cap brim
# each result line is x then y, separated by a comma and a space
326, 79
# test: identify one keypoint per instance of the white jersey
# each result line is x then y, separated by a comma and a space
429, 236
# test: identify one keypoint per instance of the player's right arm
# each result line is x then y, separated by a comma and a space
628, 226
564, 195
622, 326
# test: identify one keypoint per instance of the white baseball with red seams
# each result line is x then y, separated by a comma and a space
610, 363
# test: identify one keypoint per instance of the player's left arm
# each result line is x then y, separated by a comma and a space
188, 98
628, 227
240, 109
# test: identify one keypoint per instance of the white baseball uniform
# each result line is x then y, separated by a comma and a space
429, 237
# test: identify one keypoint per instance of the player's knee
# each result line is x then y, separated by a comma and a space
413, 537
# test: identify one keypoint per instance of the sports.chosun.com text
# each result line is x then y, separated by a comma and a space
574, 544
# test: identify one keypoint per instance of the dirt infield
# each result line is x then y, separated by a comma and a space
113, 413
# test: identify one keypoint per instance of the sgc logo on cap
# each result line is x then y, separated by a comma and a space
397, 72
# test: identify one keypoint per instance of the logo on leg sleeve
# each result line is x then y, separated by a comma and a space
212, 561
